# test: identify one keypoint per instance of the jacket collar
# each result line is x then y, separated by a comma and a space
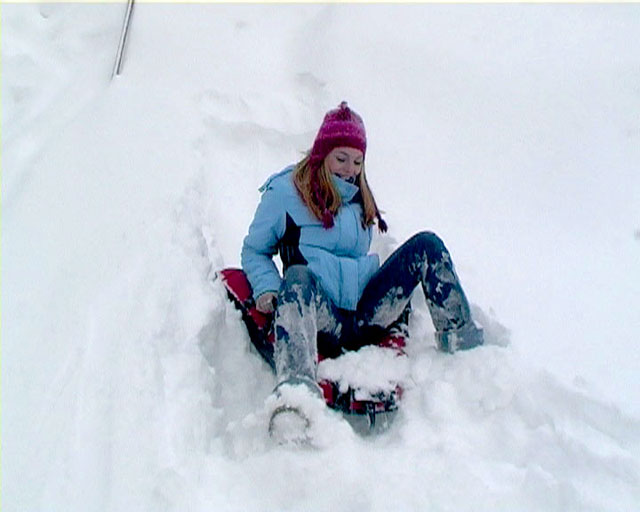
347, 190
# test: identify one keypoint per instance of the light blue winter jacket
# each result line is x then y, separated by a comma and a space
336, 256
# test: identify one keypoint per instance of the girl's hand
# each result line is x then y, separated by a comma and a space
266, 303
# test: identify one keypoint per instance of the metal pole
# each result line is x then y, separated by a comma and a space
123, 39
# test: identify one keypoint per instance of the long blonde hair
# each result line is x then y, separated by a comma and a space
324, 191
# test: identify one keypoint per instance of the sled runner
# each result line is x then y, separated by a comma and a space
365, 412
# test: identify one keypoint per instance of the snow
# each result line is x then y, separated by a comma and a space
512, 131
368, 371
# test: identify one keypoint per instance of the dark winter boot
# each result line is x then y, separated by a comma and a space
463, 338
294, 404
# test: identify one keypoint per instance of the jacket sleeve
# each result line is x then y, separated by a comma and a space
260, 244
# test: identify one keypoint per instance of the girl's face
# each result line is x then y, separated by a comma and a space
345, 162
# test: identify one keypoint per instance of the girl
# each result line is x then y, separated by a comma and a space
318, 215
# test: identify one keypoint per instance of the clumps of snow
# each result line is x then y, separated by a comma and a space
368, 371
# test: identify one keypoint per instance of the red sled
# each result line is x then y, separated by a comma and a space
368, 414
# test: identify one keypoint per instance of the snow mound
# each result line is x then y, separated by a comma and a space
368, 371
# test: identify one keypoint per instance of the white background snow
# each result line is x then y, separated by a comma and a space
513, 131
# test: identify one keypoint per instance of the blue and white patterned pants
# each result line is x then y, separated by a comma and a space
307, 319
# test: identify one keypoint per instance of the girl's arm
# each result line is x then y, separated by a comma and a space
260, 244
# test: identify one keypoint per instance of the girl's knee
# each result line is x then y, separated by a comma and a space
298, 280
298, 274
428, 241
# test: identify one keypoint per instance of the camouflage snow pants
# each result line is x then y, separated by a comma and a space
307, 320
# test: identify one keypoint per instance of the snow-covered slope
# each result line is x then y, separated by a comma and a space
511, 130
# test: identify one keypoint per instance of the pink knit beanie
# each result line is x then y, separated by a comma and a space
340, 127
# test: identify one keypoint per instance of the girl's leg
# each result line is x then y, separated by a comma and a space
303, 311
424, 260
